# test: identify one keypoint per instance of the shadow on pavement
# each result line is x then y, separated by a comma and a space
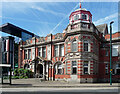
16, 85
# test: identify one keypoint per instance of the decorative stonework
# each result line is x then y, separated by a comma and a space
80, 37
27, 42
59, 36
41, 39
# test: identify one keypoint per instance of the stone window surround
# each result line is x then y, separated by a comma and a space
27, 52
106, 69
56, 68
74, 39
88, 67
74, 67
73, 45
71, 66
41, 49
45, 51
84, 15
116, 66
56, 50
29, 55
80, 17
62, 53
89, 45
58, 44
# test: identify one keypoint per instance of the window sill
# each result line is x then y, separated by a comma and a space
86, 74
59, 74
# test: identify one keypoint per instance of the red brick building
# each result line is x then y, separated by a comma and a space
79, 54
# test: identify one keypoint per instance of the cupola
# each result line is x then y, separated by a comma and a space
80, 15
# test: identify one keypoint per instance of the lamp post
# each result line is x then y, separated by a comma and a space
111, 52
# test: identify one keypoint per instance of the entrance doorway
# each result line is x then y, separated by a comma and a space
40, 70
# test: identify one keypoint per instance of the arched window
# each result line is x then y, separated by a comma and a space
74, 46
76, 17
84, 16
86, 46
58, 68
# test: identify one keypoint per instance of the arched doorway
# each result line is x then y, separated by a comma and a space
40, 70
26, 66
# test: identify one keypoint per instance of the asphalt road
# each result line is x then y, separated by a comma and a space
98, 90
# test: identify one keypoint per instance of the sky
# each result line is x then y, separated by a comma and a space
42, 18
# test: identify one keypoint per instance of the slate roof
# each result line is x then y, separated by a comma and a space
101, 28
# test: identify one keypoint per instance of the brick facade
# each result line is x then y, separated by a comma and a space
78, 54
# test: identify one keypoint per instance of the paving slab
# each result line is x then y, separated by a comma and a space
35, 82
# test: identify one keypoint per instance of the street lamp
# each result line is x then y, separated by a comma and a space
111, 52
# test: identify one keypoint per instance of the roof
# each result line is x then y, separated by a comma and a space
102, 28
81, 9
16, 31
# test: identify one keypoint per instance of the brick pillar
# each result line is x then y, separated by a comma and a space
68, 67
80, 46
52, 50
23, 55
36, 51
64, 49
91, 67
80, 67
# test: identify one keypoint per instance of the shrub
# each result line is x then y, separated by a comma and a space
22, 73
16, 72
25, 77
21, 77
15, 77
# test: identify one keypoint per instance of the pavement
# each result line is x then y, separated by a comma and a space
35, 82
35, 86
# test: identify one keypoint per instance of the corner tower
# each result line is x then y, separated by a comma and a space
80, 15
81, 47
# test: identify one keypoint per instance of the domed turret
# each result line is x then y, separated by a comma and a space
80, 15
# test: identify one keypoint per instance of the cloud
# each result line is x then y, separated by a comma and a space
103, 20
47, 11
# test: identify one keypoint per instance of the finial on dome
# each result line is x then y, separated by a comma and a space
80, 4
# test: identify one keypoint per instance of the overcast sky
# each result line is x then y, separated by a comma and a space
53, 17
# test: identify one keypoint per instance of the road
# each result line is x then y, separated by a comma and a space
82, 89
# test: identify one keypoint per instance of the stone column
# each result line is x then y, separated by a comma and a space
44, 70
